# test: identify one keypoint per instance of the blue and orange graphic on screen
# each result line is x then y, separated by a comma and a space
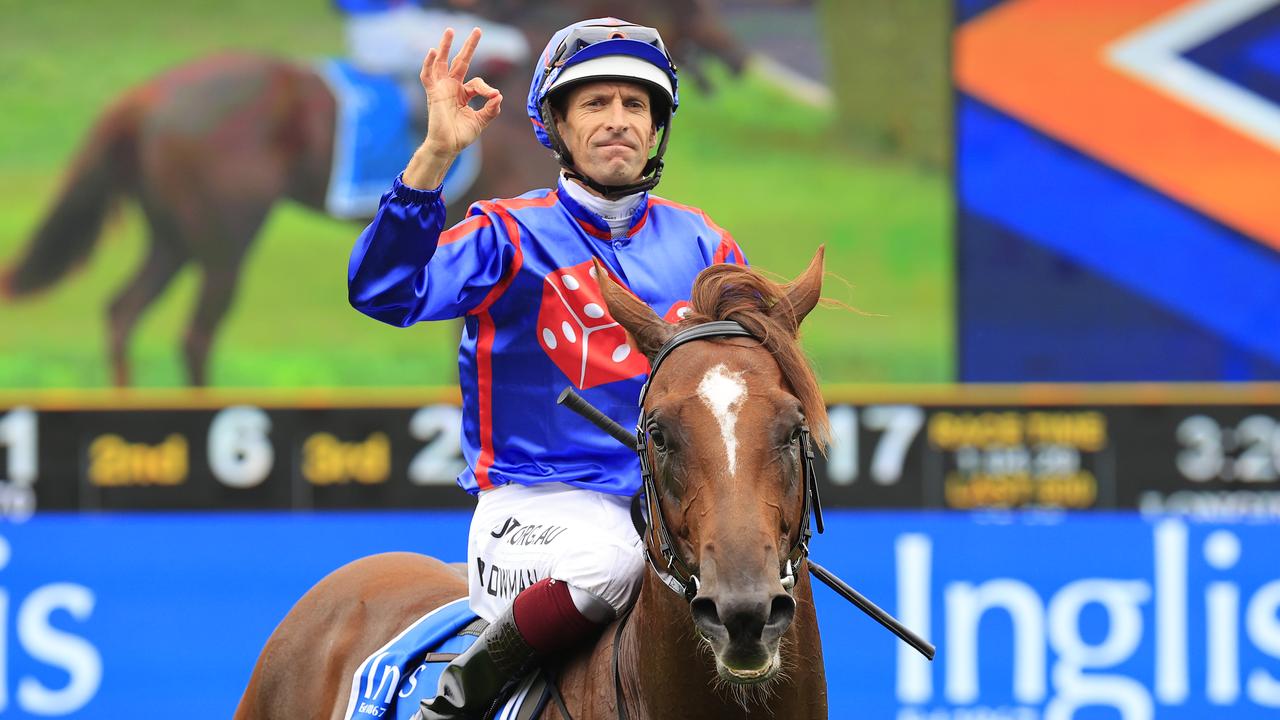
1116, 166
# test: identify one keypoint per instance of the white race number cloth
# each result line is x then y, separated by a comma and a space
522, 534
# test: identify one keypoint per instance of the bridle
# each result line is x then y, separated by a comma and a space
674, 571
646, 507
646, 513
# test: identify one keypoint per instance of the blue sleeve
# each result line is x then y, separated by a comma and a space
404, 269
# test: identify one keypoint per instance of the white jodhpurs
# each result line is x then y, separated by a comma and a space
395, 42
520, 535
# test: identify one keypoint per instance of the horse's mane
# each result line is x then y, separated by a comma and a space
734, 292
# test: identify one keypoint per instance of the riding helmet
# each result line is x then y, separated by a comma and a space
604, 49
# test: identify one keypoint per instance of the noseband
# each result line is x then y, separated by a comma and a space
674, 571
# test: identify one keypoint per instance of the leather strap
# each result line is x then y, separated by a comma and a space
617, 672
554, 691
718, 328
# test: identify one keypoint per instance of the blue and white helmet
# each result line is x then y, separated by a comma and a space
604, 49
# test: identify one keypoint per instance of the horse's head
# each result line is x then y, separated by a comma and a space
725, 424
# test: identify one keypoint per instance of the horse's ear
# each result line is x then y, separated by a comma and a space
802, 294
649, 331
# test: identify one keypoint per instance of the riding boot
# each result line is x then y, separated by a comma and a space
470, 685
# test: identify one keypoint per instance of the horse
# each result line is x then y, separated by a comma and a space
725, 424
207, 149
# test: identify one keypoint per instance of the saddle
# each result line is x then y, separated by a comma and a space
392, 682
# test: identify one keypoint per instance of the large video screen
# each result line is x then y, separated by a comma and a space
171, 179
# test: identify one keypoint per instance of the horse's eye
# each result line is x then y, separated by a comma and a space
658, 439
796, 434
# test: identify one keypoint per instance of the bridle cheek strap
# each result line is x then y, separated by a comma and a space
672, 569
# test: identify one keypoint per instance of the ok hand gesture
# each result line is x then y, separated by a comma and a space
452, 125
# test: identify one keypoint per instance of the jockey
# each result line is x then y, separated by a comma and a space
390, 37
553, 556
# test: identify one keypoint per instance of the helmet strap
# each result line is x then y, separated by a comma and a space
649, 177
616, 192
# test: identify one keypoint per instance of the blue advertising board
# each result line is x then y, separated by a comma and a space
1049, 616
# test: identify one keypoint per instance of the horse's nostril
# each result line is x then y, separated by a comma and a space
743, 619
782, 610
704, 612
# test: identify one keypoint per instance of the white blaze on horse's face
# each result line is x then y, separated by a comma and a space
724, 391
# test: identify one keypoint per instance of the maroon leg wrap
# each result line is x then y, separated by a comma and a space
548, 619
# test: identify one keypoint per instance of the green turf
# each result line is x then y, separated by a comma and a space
763, 166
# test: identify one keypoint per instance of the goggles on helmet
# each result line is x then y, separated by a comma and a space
583, 36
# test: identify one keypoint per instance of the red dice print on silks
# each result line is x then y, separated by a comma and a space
678, 312
576, 331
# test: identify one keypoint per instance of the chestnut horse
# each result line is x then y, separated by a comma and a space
724, 420
208, 149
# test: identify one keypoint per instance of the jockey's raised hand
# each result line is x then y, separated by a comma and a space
452, 124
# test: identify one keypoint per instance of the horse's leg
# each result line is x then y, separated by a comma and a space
221, 277
163, 261
217, 290
711, 30
691, 65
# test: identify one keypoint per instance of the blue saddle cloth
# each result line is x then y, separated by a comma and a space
392, 682
373, 139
